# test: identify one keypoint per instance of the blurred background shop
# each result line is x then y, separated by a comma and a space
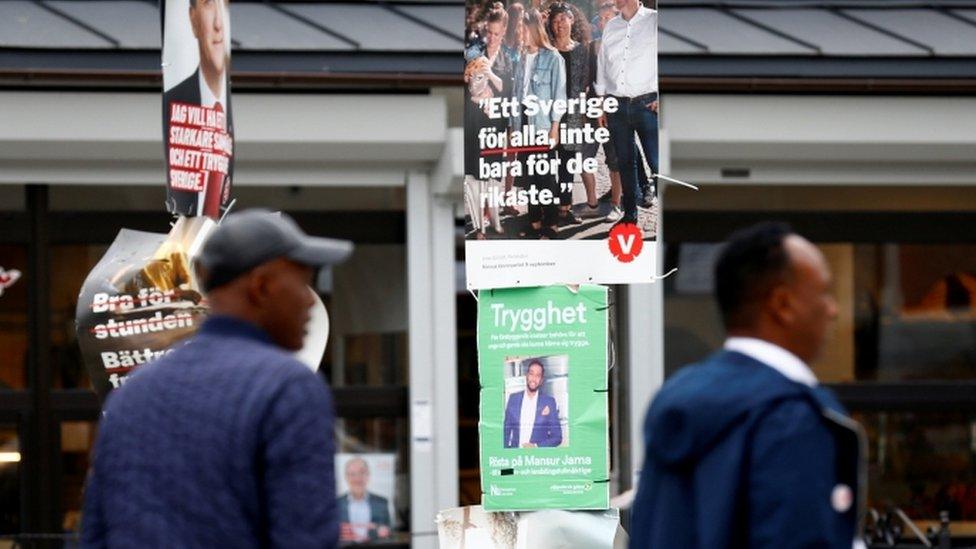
855, 121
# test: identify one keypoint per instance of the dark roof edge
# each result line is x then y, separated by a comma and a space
843, 86
261, 81
242, 80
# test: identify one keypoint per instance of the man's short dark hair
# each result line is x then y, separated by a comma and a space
541, 365
752, 263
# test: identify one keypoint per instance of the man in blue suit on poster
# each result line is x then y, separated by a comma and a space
531, 417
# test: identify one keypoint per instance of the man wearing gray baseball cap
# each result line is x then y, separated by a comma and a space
227, 440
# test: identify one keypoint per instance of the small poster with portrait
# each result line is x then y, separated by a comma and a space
198, 123
542, 362
561, 157
365, 488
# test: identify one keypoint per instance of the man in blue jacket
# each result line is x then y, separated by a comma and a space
531, 416
745, 449
227, 440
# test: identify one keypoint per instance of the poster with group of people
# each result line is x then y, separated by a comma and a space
561, 142
542, 362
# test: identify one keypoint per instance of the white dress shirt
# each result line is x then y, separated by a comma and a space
627, 64
775, 357
207, 96
527, 417
782, 361
360, 516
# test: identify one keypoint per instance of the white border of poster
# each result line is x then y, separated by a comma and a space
529, 204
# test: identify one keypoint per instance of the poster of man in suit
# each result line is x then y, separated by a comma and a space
533, 418
543, 422
198, 125
366, 486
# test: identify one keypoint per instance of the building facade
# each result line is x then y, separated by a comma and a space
855, 123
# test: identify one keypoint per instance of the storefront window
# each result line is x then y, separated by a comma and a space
70, 265
13, 316
923, 463
77, 439
368, 312
906, 312
915, 310
9, 480
367, 360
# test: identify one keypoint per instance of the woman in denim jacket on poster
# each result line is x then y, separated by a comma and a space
541, 72
570, 35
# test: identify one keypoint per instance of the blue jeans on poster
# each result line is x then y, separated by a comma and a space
633, 121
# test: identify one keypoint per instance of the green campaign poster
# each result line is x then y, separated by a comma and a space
542, 361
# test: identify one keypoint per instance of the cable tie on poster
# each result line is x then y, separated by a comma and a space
601, 481
601, 390
227, 211
667, 274
678, 181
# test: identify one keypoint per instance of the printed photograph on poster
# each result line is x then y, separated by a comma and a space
536, 402
560, 142
543, 425
198, 127
366, 486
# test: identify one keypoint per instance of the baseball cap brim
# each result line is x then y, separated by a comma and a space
317, 251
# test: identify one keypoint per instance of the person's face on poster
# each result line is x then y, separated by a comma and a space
533, 379
494, 34
623, 5
357, 477
207, 20
562, 26
520, 34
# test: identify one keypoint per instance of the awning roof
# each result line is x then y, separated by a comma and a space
746, 38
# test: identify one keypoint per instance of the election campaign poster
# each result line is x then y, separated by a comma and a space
140, 299
143, 297
198, 127
542, 362
366, 487
560, 143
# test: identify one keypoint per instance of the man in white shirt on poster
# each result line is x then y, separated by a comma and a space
627, 71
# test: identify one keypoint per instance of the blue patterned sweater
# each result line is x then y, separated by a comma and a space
225, 442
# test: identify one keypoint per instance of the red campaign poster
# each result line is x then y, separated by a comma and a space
560, 143
198, 128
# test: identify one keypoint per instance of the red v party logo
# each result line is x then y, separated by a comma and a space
625, 242
7, 278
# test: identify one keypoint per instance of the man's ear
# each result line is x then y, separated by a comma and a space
258, 285
780, 304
